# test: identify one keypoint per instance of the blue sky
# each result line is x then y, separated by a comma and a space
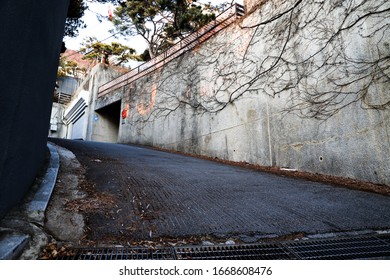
100, 30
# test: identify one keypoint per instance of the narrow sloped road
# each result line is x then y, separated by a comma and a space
144, 194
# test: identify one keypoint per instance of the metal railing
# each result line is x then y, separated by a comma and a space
189, 42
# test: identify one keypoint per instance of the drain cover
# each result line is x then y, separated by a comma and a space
337, 249
234, 252
367, 247
121, 253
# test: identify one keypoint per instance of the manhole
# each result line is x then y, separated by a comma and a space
368, 247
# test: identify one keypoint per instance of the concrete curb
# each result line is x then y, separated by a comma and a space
13, 241
37, 206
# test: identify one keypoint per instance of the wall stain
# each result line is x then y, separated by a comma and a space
144, 109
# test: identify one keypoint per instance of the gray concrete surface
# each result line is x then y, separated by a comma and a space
21, 230
80, 116
38, 204
142, 194
61, 223
11, 243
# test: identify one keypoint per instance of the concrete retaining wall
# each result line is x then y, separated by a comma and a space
82, 121
31, 34
296, 84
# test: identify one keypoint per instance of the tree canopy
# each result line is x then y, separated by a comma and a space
69, 68
76, 11
73, 21
115, 52
160, 22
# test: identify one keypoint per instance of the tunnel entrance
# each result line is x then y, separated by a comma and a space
106, 123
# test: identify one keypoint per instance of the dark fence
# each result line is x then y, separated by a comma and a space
30, 45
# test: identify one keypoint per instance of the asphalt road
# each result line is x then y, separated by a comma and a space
151, 194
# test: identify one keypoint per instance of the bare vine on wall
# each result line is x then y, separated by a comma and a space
325, 55
322, 55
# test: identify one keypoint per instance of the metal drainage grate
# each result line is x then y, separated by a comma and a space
234, 252
120, 254
339, 249
327, 249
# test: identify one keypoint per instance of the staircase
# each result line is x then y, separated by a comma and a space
223, 20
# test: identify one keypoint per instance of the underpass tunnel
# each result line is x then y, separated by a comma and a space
106, 123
